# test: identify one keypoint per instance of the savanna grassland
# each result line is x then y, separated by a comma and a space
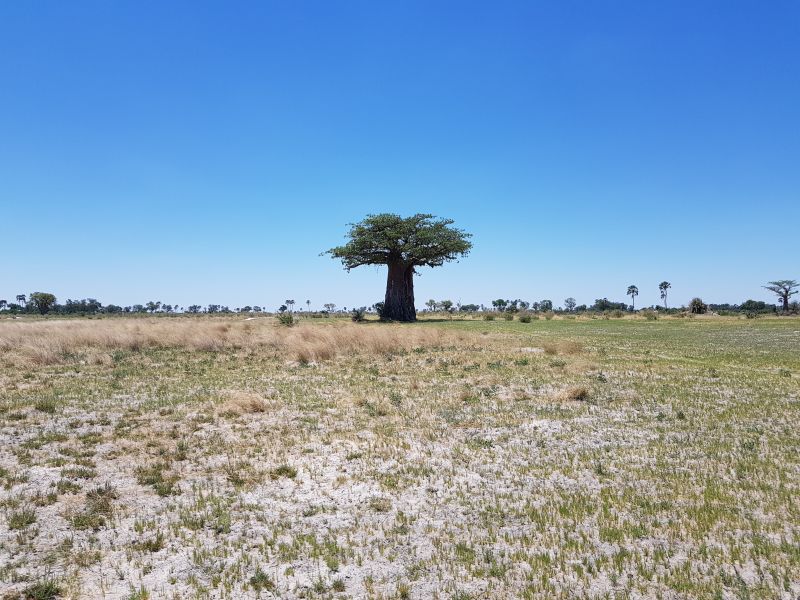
182, 457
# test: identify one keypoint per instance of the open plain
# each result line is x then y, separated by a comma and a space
223, 457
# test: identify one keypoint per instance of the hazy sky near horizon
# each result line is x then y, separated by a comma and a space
199, 152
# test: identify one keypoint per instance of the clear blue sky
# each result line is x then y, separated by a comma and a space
209, 151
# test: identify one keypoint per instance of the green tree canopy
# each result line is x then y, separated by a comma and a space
403, 244
42, 301
785, 289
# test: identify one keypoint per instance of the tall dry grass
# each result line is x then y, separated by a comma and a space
56, 342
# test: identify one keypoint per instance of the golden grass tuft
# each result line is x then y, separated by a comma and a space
578, 393
562, 347
240, 402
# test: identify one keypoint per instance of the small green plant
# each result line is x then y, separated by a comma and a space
140, 594
21, 519
508, 316
261, 581
380, 505
79, 473
47, 589
153, 475
358, 315
284, 470
153, 544
524, 318
488, 317
46, 405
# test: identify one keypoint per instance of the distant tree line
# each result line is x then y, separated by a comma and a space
45, 302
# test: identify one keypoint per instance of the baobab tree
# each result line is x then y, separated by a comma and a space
785, 289
403, 245
633, 291
663, 287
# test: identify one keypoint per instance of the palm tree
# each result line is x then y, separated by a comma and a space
633, 291
308, 305
290, 304
21, 300
663, 287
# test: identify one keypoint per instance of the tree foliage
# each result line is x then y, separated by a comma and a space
42, 301
784, 288
420, 241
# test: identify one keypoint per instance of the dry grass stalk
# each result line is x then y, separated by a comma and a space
239, 402
575, 393
60, 341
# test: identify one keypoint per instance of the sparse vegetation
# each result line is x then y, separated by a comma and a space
531, 461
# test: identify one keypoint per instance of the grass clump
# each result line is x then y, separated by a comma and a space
21, 518
261, 581
46, 405
47, 589
575, 393
283, 470
157, 476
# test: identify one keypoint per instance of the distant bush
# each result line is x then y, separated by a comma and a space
524, 318
617, 314
286, 318
358, 315
549, 315
508, 316
751, 314
488, 317
697, 306
650, 315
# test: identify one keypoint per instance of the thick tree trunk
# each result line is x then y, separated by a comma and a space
399, 302
785, 298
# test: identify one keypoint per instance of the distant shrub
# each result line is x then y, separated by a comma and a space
525, 319
508, 316
617, 314
650, 315
697, 306
751, 314
379, 308
286, 319
488, 317
358, 315
549, 315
